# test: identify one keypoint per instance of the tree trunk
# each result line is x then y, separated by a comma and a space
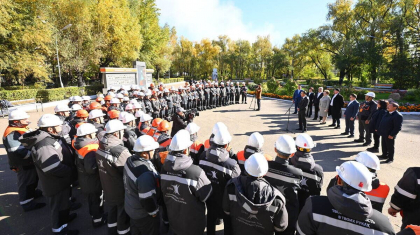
80, 80
342, 75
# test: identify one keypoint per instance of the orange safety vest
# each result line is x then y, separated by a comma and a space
379, 194
151, 131
206, 144
79, 124
195, 147
166, 143
241, 157
81, 153
156, 136
415, 228
163, 156
10, 129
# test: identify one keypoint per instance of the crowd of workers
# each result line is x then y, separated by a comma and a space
138, 172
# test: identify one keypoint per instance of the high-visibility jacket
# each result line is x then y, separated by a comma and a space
195, 151
410, 230
206, 144
152, 131
18, 155
246, 153
143, 130
156, 135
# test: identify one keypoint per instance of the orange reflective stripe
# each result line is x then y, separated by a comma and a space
207, 144
166, 143
415, 228
86, 149
151, 132
379, 194
241, 157
145, 130
156, 136
163, 156
195, 147
11, 129
79, 124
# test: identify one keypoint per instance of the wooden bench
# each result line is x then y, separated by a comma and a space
16, 103
383, 86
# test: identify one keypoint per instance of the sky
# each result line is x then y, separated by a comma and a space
242, 19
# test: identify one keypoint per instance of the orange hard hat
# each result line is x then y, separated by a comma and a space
108, 98
152, 85
82, 113
113, 114
95, 105
156, 122
161, 88
99, 99
163, 126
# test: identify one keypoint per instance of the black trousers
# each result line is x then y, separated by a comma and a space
349, 126
145, 226
309, 112
96, 209
60, 210
376, 139
118, 220
232, 98
212, 214
27, 180
316, 111
237, 98
336, 120
302, 119
259, 104
205, 103
368, 135
388, 147
243, 97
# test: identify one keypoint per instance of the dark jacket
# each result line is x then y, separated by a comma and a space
179, 123
296, 96
17, 154
255, 206
311, 97
406, 196
342, 211
111, 157
376, 119
185, 189
335, 109
303, 104
352, 110
53, 160
367, 109
219, 170
391, 124
129, 138
141, 188
87, 168
317, 99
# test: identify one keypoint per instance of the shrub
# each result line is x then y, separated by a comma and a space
93, 89
11, 95
289, 87
272, 85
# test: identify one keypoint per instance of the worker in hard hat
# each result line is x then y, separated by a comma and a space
216, 86
185, 188
244, 91
154, 126
55, 167
147, 102
63, 112
80, 118
111, 157
286, 178
138, 115
145, 125
366, 111
346, 209
222, 94
20, 160
129, 108
115, 105
220, 168
237, 93
130, 135
113, 114
255, 145
206, 102
96, 118
313, 174
142, 188
155, 105
197, 148
253, 204
85, 145
107, 104
380, 190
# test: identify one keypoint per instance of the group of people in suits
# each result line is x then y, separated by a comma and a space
377, 119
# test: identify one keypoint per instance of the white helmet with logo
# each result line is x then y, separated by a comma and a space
145, 143
256, 140
285, 144
180, 141
305, 141
18, 114
356, 175
222, 137
86, 129
370, 160
256, 165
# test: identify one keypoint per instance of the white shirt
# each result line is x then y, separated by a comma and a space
391, 112
319, 93
332, 100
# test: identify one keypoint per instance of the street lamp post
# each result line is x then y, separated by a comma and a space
56, 49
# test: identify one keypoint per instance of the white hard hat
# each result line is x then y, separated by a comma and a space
137, 105
101, 95
243, 83
218, 126
49, 120
256, 140
142, 94
120, 96
305, 141
139, 113
180, 141
133, 101
115, 101
126, 98
145, 117
102, 102
18, 114
129, 107
76, 107
356, 175
285, 144
256, 165
62, 108
192, 128
114, 126
86, 129
173, 88
77, 98
145, 143
128, 117
112, 94
121, 115
165, 90
222, 83
222, 137
86, 97
71, 98
370, 160
371, 94
95, 114
148, 92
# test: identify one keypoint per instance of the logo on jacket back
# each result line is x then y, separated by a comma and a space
213, 175
176, 189
101, 163
251, 216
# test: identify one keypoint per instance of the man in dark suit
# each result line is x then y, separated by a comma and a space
350, 115
297, 98
336, 105
389, 128
317, 98
311, 96
303, 105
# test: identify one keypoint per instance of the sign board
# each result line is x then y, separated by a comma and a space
118, 79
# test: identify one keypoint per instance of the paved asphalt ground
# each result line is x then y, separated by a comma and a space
332, 149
